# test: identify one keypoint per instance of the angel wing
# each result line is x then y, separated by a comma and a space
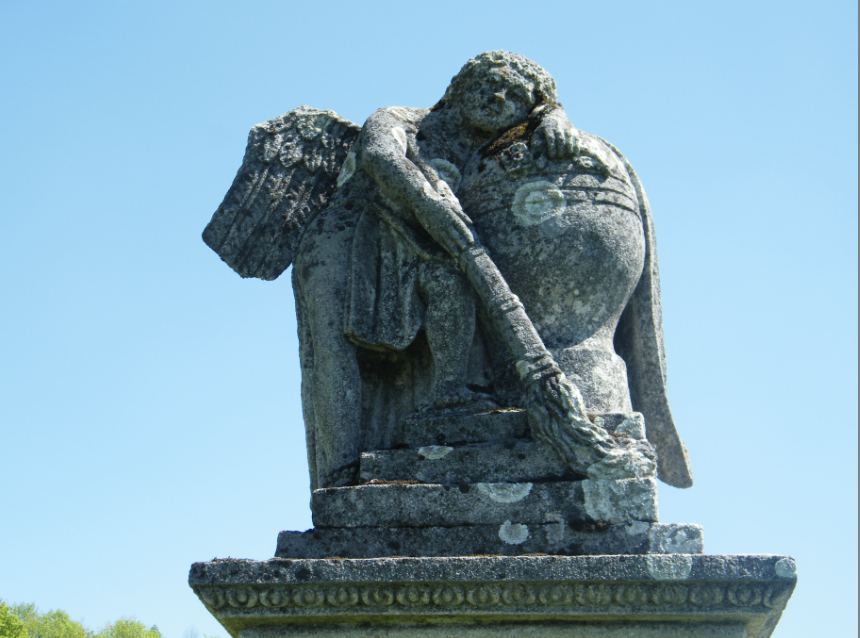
639, 341
288, 175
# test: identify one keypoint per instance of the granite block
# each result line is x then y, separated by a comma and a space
508, 539
452, 429
674, 595
512, 462
508, 629
422, 505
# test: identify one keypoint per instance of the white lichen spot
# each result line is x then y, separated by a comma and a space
505, 492
536, 202
513, 533
619, 501
399, 136
312, 124
434, 452
786, 568
347, 170
669, 567
291, 153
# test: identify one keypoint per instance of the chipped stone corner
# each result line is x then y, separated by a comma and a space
633, 426
676, 539
786, 568
621, 501
669, 566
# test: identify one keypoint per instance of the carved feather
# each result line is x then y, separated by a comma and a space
287, 177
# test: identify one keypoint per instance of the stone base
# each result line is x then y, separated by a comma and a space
505, 540
511, 462
506, 630
454, 429
394, 504
671, 596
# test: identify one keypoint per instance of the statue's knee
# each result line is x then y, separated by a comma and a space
443, 280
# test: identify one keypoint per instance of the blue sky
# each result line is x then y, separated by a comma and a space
149, 397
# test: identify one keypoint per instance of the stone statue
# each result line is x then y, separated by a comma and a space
483, 382
479, 258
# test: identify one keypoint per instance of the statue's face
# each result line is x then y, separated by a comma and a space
496, 99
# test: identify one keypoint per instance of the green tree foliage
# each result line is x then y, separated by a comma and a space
11, 626
26, 621
128, 628
51, 624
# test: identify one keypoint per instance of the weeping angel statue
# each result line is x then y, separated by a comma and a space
481, 255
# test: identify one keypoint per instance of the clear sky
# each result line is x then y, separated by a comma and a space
149, 397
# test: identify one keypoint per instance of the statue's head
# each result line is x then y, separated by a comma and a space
497, 89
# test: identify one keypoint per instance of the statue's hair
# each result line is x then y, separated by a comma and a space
511, 64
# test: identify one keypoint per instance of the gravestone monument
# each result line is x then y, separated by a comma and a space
483, 381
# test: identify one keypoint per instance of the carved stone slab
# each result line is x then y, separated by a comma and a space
607, 596
492, 447
506, 539
509, 630
422, 505
513, 462
420, 429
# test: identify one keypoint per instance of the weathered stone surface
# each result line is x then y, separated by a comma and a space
506, 539
449, 462
405, 311
480, 334
617, 595
397, 505
509, 629
451, 429
512, 463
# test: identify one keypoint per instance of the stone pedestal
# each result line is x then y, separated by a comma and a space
666, 596
442, 512
459, 535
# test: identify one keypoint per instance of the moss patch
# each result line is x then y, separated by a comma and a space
518, 133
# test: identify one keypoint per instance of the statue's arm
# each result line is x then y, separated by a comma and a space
556, 409
384, 156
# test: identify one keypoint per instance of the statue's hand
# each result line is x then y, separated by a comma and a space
557, 416
560, 135
442, 216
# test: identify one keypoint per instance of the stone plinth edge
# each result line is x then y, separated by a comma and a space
325, 597
507, 539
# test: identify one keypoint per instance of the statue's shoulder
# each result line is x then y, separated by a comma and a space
401, 114
604, 154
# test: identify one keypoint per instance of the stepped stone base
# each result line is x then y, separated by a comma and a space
505, 540
507, 630
670, 596
453, 429
512, 462
455, 449
421, 505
